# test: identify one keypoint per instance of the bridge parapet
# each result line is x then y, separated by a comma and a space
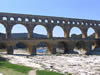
47, 19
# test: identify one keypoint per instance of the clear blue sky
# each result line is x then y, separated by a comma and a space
88, 9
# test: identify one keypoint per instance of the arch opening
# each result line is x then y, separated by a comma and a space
58, 32
2, 31
91, 33
21, 49
75, 32
80, 47
42, 49
62, 48
19, 31
40, 31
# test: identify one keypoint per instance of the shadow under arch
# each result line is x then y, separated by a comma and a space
21, 49
59, 31
76, 32
19, 31
40, 31
3, 31
92, 33
3, 47
62, 48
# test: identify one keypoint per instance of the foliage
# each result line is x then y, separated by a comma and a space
43, 72
80, 36
5, 64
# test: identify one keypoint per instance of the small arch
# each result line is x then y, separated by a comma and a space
75, 32
33, 20
95, 24
40, 20
26, 19
82, 23
4, 18
86, 24
73, 22
63, 22
19, 19
40, 31
58, 21
46, 21
2, 31
91, 24
11, 19
98, 24
91, 33
52, 21
78, 23
69, 22
19, 31
58, 31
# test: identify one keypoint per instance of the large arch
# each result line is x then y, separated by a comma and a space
40, 31
19, 31
75, 32
58, 31
2, 31
91, 33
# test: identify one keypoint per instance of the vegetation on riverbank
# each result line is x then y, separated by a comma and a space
44, 72
12, 69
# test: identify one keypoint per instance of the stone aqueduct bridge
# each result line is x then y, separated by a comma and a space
49, 22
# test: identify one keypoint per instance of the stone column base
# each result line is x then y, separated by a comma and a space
10, 50
32, 50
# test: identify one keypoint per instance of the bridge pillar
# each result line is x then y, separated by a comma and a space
30, 32
51, 50
8, 34
84, 33
98, 33
32, 50
10, 49
49, 34
30, 35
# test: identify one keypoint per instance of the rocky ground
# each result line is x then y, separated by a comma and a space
72, 63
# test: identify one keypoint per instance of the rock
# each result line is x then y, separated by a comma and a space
71, 63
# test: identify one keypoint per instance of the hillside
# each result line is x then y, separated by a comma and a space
23, 35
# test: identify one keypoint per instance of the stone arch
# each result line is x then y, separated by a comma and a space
43, 48
21, 46
92, 33
41, 30
2, 31
81, 47
57, 33
77, 32
21, 29
63, 46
